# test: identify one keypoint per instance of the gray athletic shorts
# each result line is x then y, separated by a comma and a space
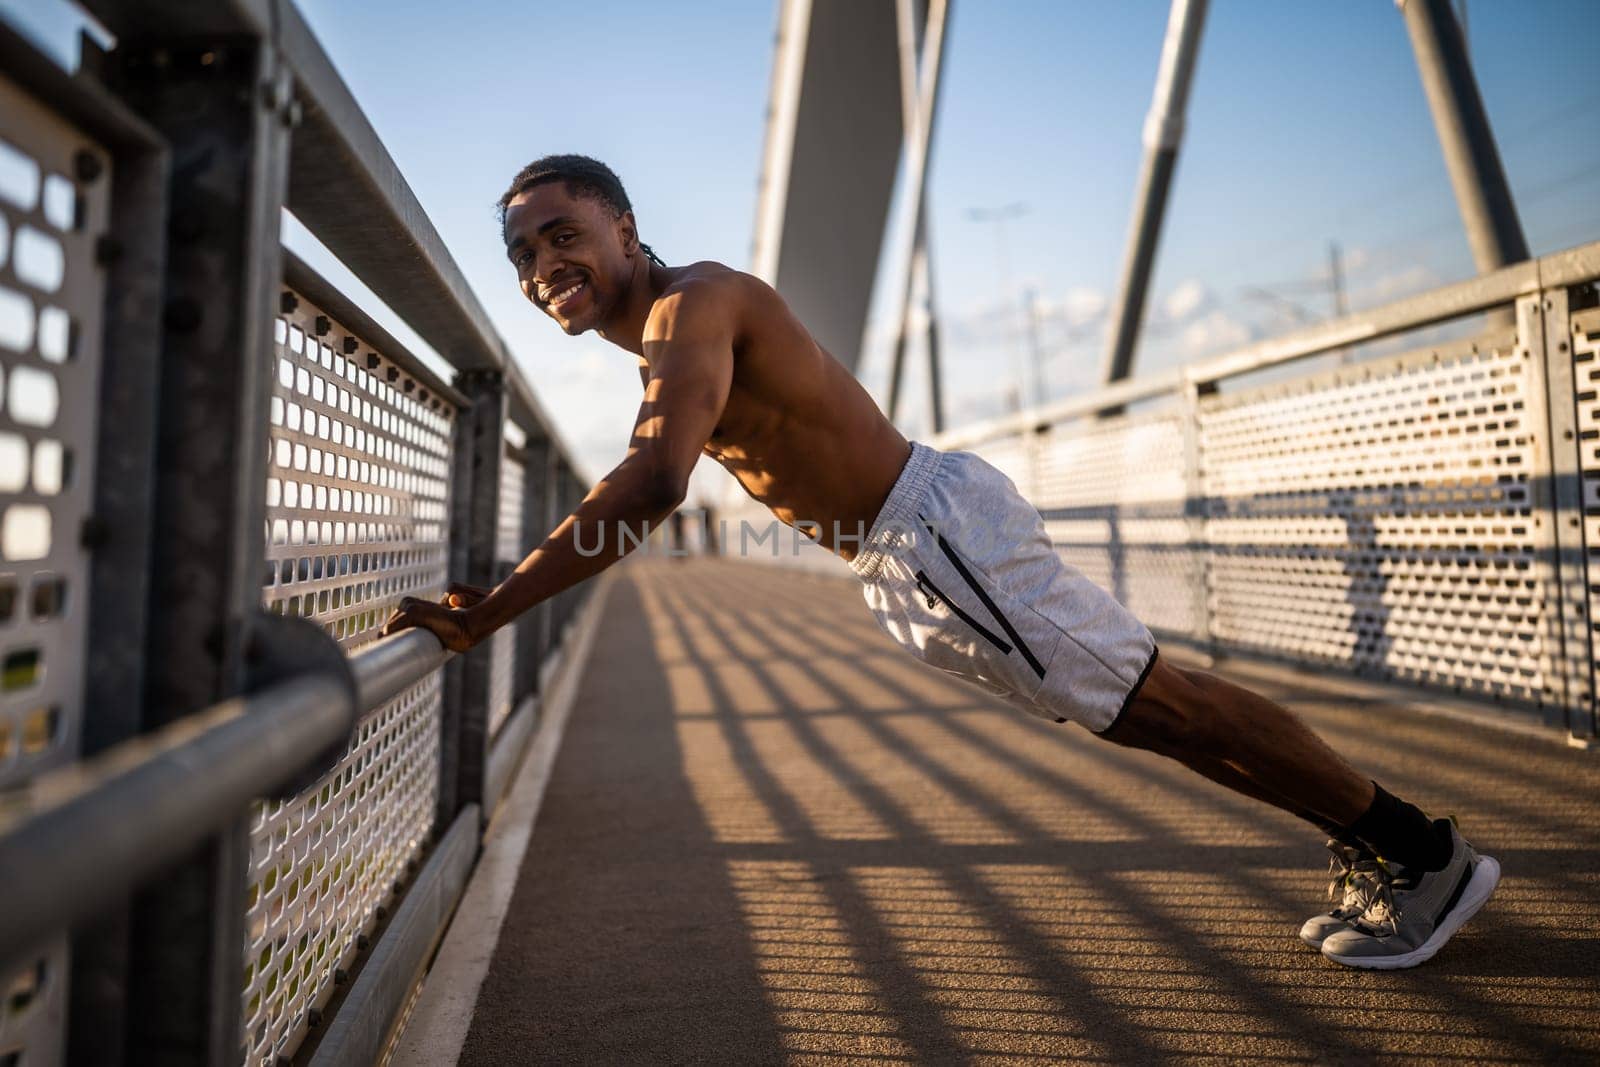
959, 570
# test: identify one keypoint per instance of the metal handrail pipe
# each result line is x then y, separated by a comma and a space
388, 668
76, 839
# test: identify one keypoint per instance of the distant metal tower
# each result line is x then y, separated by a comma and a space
919, 94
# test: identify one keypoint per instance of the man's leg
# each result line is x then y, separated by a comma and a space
1202, 721
1243, 741
1431, 880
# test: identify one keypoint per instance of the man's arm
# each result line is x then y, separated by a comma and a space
689, 346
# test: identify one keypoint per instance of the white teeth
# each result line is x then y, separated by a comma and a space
557, 298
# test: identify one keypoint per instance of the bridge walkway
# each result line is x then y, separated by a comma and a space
770, 837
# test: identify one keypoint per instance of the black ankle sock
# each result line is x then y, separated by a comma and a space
1399, 831
1339, 833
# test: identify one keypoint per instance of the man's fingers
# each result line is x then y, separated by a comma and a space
403, 617
461, 595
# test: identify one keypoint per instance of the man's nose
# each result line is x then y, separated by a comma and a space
547, 268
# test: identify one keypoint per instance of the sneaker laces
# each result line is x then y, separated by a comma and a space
1350, 879
1381, 910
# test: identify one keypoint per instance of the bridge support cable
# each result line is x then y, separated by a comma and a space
1476, 174
920, 70
1163, 133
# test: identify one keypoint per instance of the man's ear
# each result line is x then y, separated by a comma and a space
629, 232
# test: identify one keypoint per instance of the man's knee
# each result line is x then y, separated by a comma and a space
1174, 711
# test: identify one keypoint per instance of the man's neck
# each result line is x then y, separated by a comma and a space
626, 328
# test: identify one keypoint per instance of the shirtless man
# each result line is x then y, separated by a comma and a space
954, 564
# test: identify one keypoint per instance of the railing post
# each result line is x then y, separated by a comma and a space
224, 108
1194, 510
550, 505
474, 514
1544, 329
120, 561
535, 527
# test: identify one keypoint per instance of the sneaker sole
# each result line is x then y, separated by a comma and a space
1485, 876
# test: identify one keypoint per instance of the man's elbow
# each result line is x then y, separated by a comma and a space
662, 493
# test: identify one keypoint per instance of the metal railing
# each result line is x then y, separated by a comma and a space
232, 820
1424, 517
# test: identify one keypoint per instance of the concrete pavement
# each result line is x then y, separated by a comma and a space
771, 837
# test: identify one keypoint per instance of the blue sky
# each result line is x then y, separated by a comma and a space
1307, 125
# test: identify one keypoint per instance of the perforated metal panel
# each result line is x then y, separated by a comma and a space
1585, 329
54, 186
358, 486
1112, 494
322, 863
1380, 517
509, 550
357, 499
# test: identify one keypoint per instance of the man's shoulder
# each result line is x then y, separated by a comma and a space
709, 279
709, 288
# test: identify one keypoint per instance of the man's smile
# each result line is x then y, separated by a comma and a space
562, 293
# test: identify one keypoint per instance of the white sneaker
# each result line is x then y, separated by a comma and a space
1413, 913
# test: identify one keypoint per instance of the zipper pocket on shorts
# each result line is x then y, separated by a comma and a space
994, 610
928, 589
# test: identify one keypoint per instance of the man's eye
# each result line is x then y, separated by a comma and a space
564, 238
522, 258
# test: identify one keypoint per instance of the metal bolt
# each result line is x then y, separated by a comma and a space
86, 165
313, 1018
107, 250
394, 373
350, 345
381, 912
362, 940
422, 396
288, 302
322, 325
274, 95
372, 361
182, 315
410, 385
340, 976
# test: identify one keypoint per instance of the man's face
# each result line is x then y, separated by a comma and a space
572, 257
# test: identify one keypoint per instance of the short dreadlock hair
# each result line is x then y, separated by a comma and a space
583, 177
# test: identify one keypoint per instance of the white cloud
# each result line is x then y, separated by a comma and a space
1188, 297
1212, 332
1084, 306
1396, 284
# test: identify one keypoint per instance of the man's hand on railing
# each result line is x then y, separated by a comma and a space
450, 620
